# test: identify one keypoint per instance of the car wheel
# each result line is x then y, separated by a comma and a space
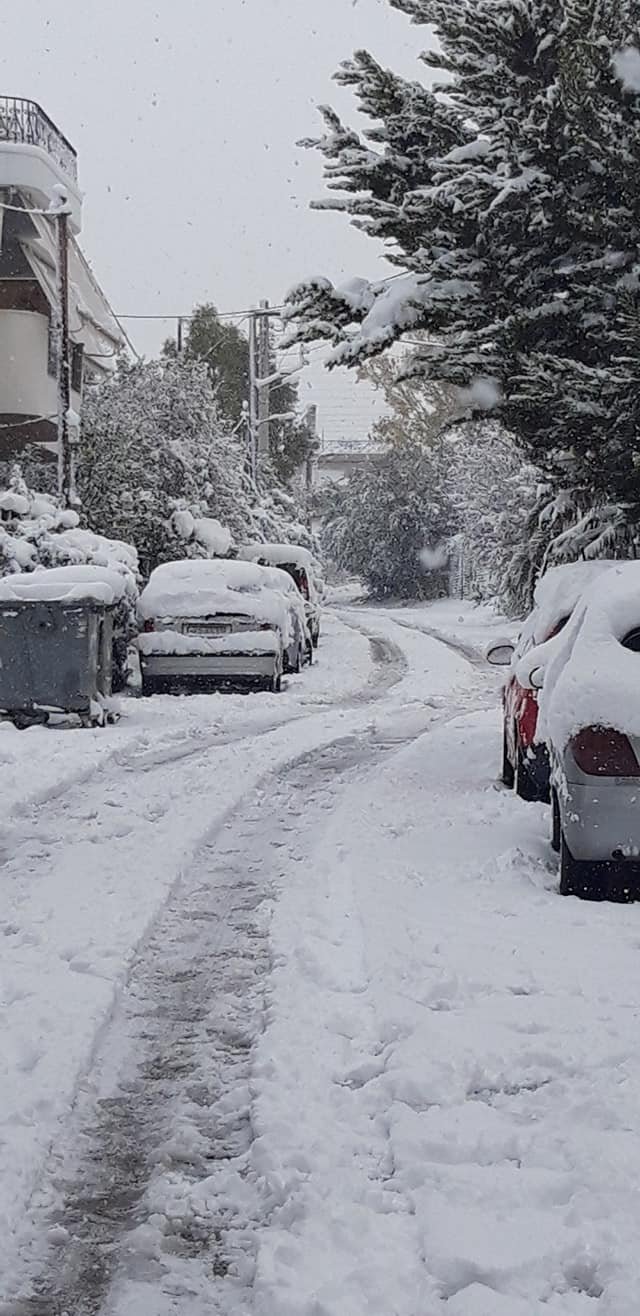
579, 877
526, 786
507, 775
555, 823
149, 685
298, 667
315, 639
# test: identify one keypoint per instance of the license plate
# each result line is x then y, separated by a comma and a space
205, 628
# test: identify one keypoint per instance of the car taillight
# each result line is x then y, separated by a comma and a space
149, 626
603, 752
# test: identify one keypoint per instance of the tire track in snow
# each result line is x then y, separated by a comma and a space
119, 1212
161, 1139
467, 651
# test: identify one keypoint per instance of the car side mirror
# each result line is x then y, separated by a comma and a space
500, 655
536, 677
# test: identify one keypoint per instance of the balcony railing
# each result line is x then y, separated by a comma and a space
24, 121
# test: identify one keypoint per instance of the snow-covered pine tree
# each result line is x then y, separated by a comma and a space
521, 243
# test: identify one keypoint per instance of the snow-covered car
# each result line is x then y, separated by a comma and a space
590, 719
525, 760
207, 622
300, 648
303, 568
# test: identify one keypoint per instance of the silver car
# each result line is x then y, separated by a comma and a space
207, 622
595, 808
590, 718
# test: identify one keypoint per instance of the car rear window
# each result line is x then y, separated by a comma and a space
632, 640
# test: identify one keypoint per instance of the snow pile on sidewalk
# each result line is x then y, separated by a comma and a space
64, 585
446, 1093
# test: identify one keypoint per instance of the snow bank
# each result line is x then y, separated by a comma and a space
65, 584
203, 588
98, 550
592, 679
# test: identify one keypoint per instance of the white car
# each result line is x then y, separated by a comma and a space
210, 622
590, 719
304, 569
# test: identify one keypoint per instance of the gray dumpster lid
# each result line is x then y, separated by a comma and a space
74, 584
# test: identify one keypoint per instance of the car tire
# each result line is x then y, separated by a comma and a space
298, 667
579, 877
526, 786
310, 653
272, 684
507, 776
315, 639
556, 830
149, 686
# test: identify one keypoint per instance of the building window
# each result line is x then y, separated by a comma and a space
77, 364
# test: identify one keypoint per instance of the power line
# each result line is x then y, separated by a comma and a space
220, 315
233, 315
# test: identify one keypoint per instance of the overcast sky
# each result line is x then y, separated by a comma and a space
185, 115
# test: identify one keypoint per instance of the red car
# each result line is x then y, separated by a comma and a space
525, 763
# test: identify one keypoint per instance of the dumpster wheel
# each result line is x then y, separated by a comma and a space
23, 718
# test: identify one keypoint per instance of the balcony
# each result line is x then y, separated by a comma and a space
24, 121
35, 156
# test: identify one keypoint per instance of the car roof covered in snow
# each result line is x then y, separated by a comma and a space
276, 554
71, 584
592, 678
556, 596
558, 591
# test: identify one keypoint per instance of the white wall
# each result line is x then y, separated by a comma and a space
32, 170
26, 389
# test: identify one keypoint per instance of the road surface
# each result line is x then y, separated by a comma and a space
294, 1020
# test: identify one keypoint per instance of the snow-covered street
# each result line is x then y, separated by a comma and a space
294, 1020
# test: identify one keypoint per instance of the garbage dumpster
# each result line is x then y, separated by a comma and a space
56, 640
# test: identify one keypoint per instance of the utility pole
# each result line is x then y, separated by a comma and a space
263, 373
253, 395
179, 336
66, 422
261, 380
311, 419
